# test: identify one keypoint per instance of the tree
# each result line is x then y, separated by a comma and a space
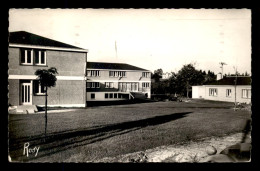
47, 78
187, 77
157, 75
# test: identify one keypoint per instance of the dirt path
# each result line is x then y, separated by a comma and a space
188, 152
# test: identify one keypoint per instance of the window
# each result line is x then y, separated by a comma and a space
146, 85
26, 56
109, 85
110, 95
228, 92
119, 95
115, 95
38, 89
246, 93
93, 85
106, 85
93, 73
39, 57
117, 73
213, 92
92, 95
146, 74
106, 95
33, 56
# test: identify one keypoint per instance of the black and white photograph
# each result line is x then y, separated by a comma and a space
129, 85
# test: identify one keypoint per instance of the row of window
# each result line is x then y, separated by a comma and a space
33, 57
96, 73
111, 96
146, 74
121, 85
246, 93
117, 74
93, 85
93, 73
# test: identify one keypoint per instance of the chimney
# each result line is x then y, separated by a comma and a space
219, 75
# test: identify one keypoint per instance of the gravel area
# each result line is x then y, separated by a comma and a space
191, 152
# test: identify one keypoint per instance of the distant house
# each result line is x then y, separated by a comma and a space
29, 52
116, 81
166, 75
225, 90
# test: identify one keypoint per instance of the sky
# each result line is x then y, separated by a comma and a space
148, 38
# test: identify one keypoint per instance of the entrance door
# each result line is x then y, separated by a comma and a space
26, 92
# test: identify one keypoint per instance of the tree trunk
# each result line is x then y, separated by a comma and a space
46, 111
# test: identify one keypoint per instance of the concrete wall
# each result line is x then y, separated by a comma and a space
67, 63
67, 91
100, 96
131, 76
221, 96
13, 92
203, 91
198, 91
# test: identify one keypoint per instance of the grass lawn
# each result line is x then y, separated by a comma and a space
106, 131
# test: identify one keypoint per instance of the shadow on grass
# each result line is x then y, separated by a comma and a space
62, 141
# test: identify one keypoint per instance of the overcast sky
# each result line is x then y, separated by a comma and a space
148, 38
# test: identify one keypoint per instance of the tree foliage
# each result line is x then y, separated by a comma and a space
181, 82
47, 78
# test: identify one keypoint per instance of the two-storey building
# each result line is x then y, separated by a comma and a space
116, 81
29, 52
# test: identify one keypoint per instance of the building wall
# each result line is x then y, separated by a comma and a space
13, 92
131, 76
222, 93
67, 63
198, 91
70, 87
100, 96
66, 92
221, 96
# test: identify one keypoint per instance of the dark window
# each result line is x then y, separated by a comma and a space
106, 95
22, 56
110, 95
92, 95
38, 89
115, 95
36, 57
42, 57
29, 57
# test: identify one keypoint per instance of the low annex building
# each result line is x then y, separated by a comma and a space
117, 81
227, 89
29, 52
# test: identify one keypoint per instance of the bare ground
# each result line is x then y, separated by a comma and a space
192, 152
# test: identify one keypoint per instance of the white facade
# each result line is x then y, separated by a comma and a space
229, 93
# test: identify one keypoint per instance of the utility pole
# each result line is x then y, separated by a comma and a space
222, 63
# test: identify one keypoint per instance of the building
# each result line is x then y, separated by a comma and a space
116, 81
29, 52
166, 75
225, 90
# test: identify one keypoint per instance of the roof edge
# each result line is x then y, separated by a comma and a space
47, 47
